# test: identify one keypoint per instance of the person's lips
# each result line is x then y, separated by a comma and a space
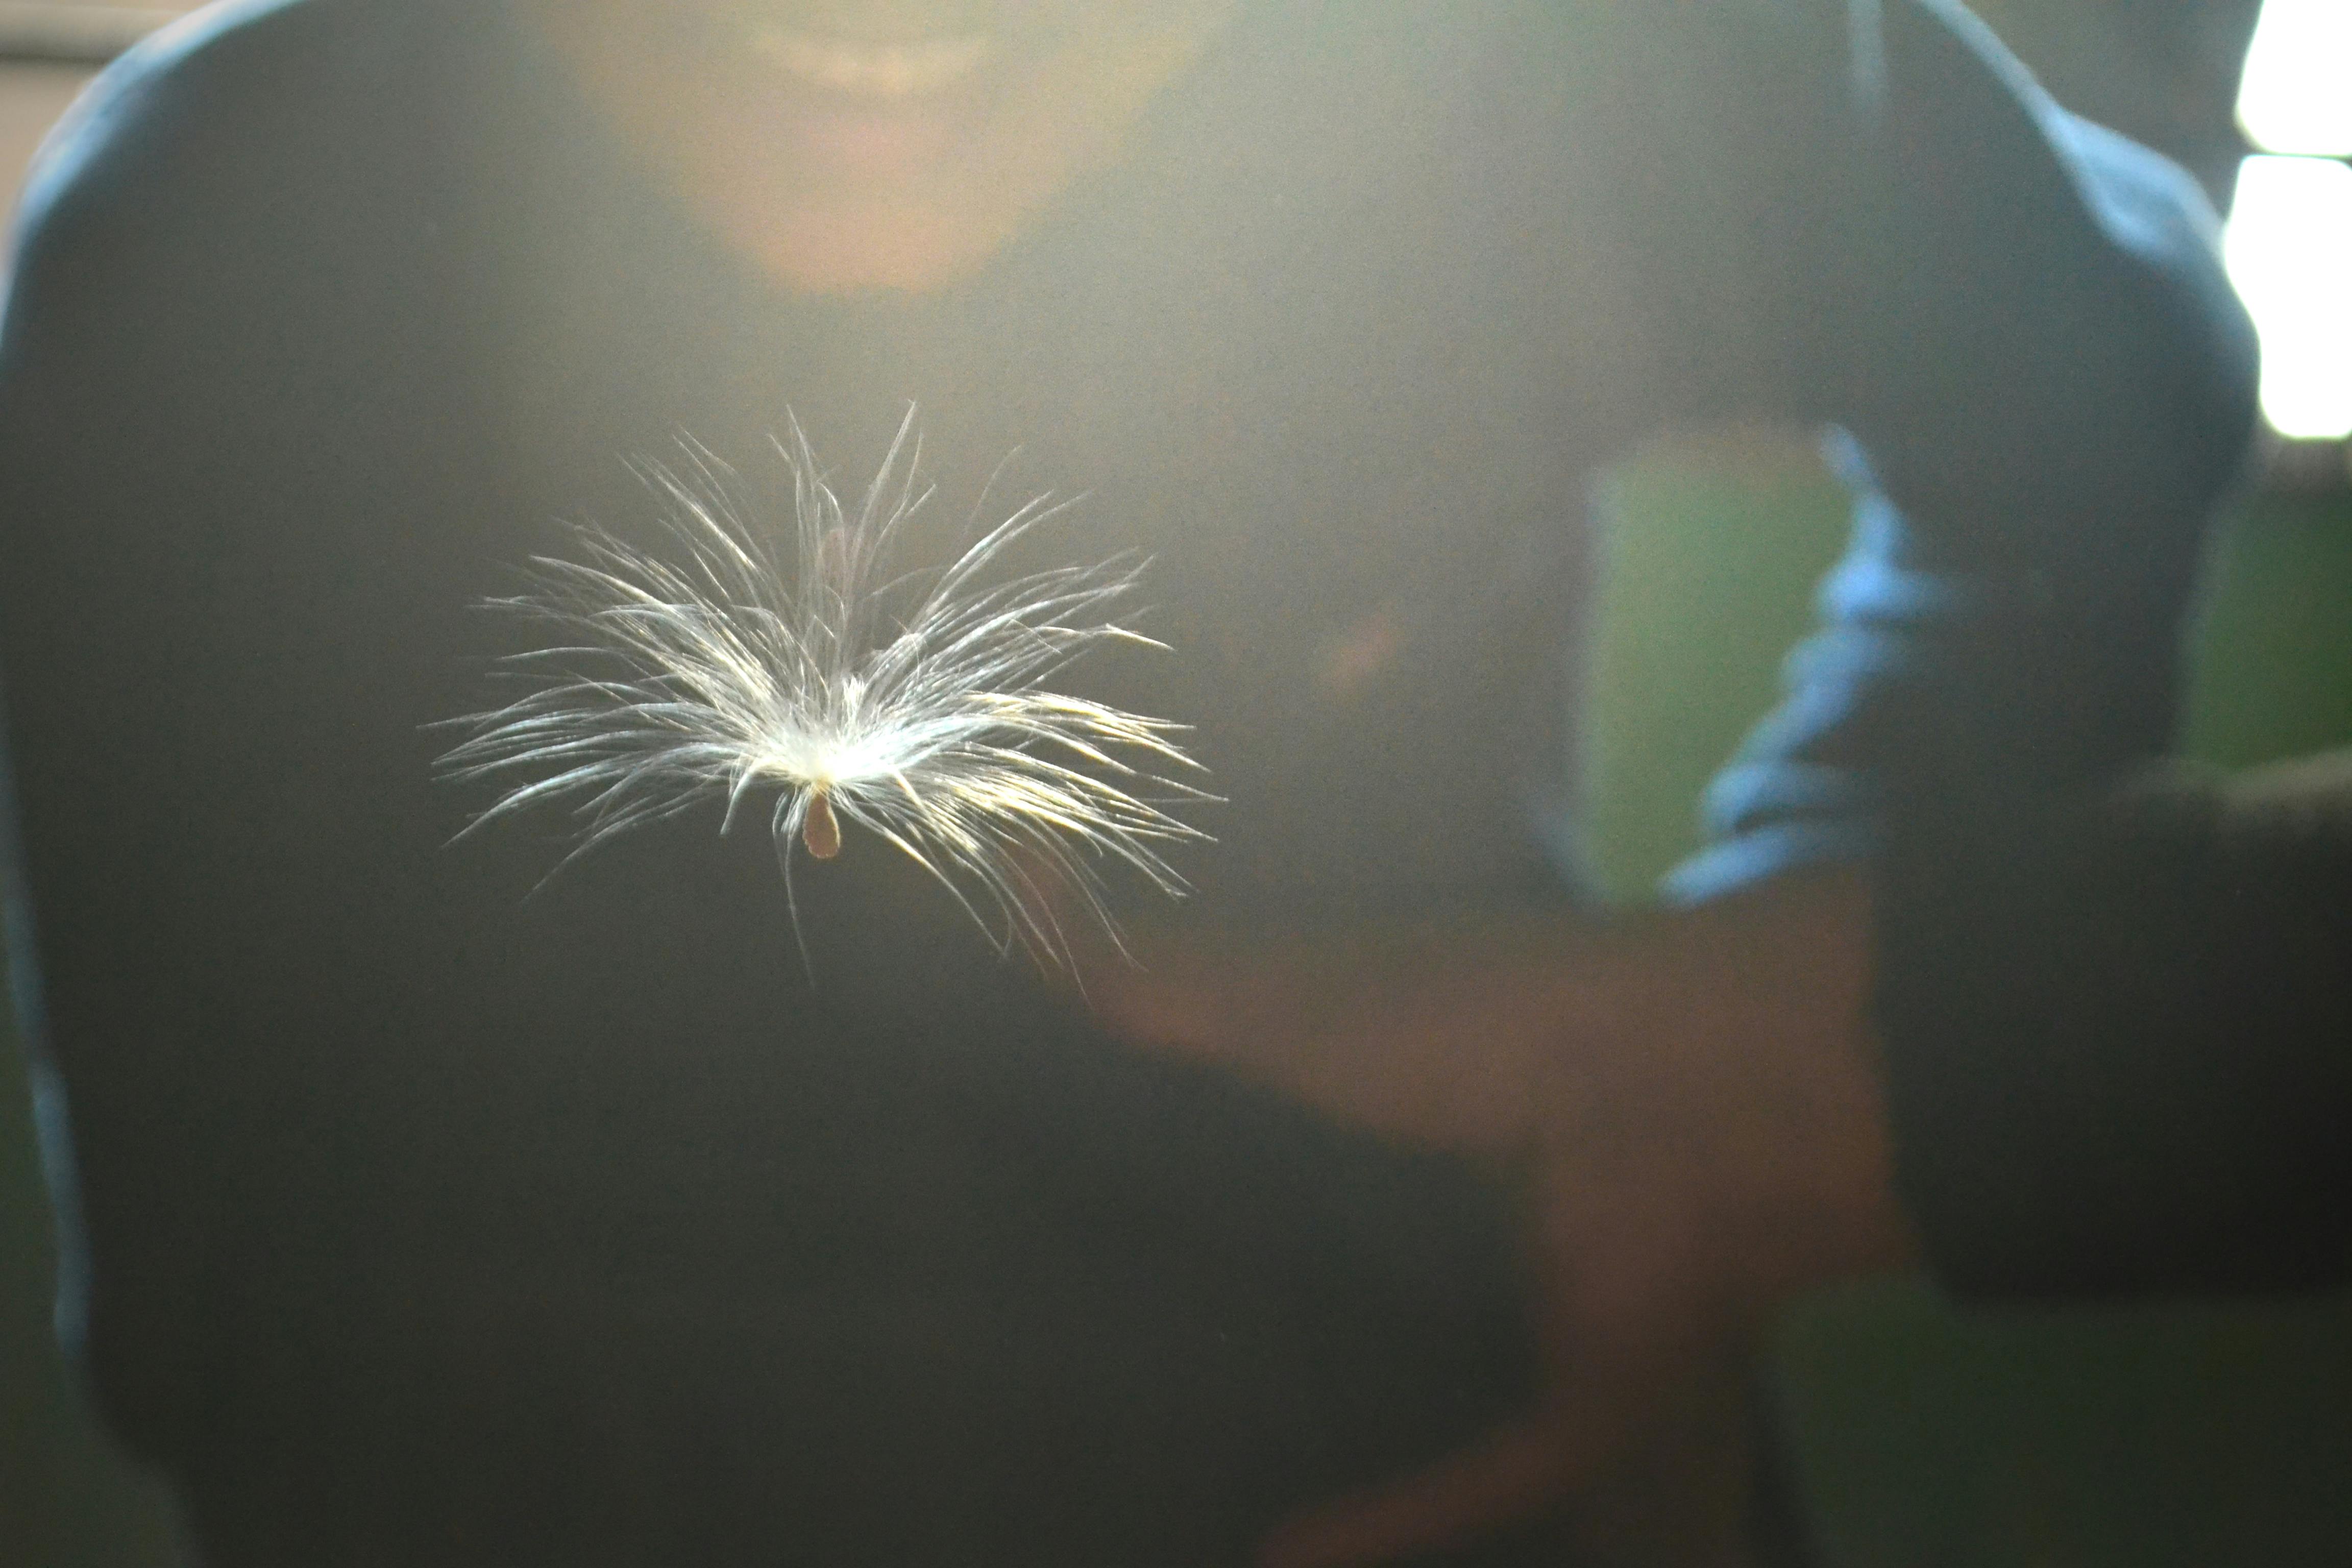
875, 75
875, 112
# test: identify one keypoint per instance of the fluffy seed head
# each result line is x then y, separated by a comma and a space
786, 671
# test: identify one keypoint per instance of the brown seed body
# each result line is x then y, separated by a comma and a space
822, 830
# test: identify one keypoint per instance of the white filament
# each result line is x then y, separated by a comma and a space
752, 662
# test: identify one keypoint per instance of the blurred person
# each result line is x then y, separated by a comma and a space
419, 1210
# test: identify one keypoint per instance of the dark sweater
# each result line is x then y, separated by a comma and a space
323, 312
2141, 1079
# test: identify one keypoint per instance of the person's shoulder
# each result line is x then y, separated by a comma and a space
243, 96
191, 81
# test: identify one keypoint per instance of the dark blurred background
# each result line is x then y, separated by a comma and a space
2151, 1436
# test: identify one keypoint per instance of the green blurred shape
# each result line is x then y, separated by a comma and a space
2273, 658
1709, 553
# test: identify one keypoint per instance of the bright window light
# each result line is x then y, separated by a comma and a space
2289, 249
2297, 93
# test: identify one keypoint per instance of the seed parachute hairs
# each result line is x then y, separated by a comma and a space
789, 673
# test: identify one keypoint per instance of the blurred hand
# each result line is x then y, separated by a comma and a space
1690, 1102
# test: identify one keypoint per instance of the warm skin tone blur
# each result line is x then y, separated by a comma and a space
1691, 1105
859, 145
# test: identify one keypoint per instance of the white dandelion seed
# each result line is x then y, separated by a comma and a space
913, 707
